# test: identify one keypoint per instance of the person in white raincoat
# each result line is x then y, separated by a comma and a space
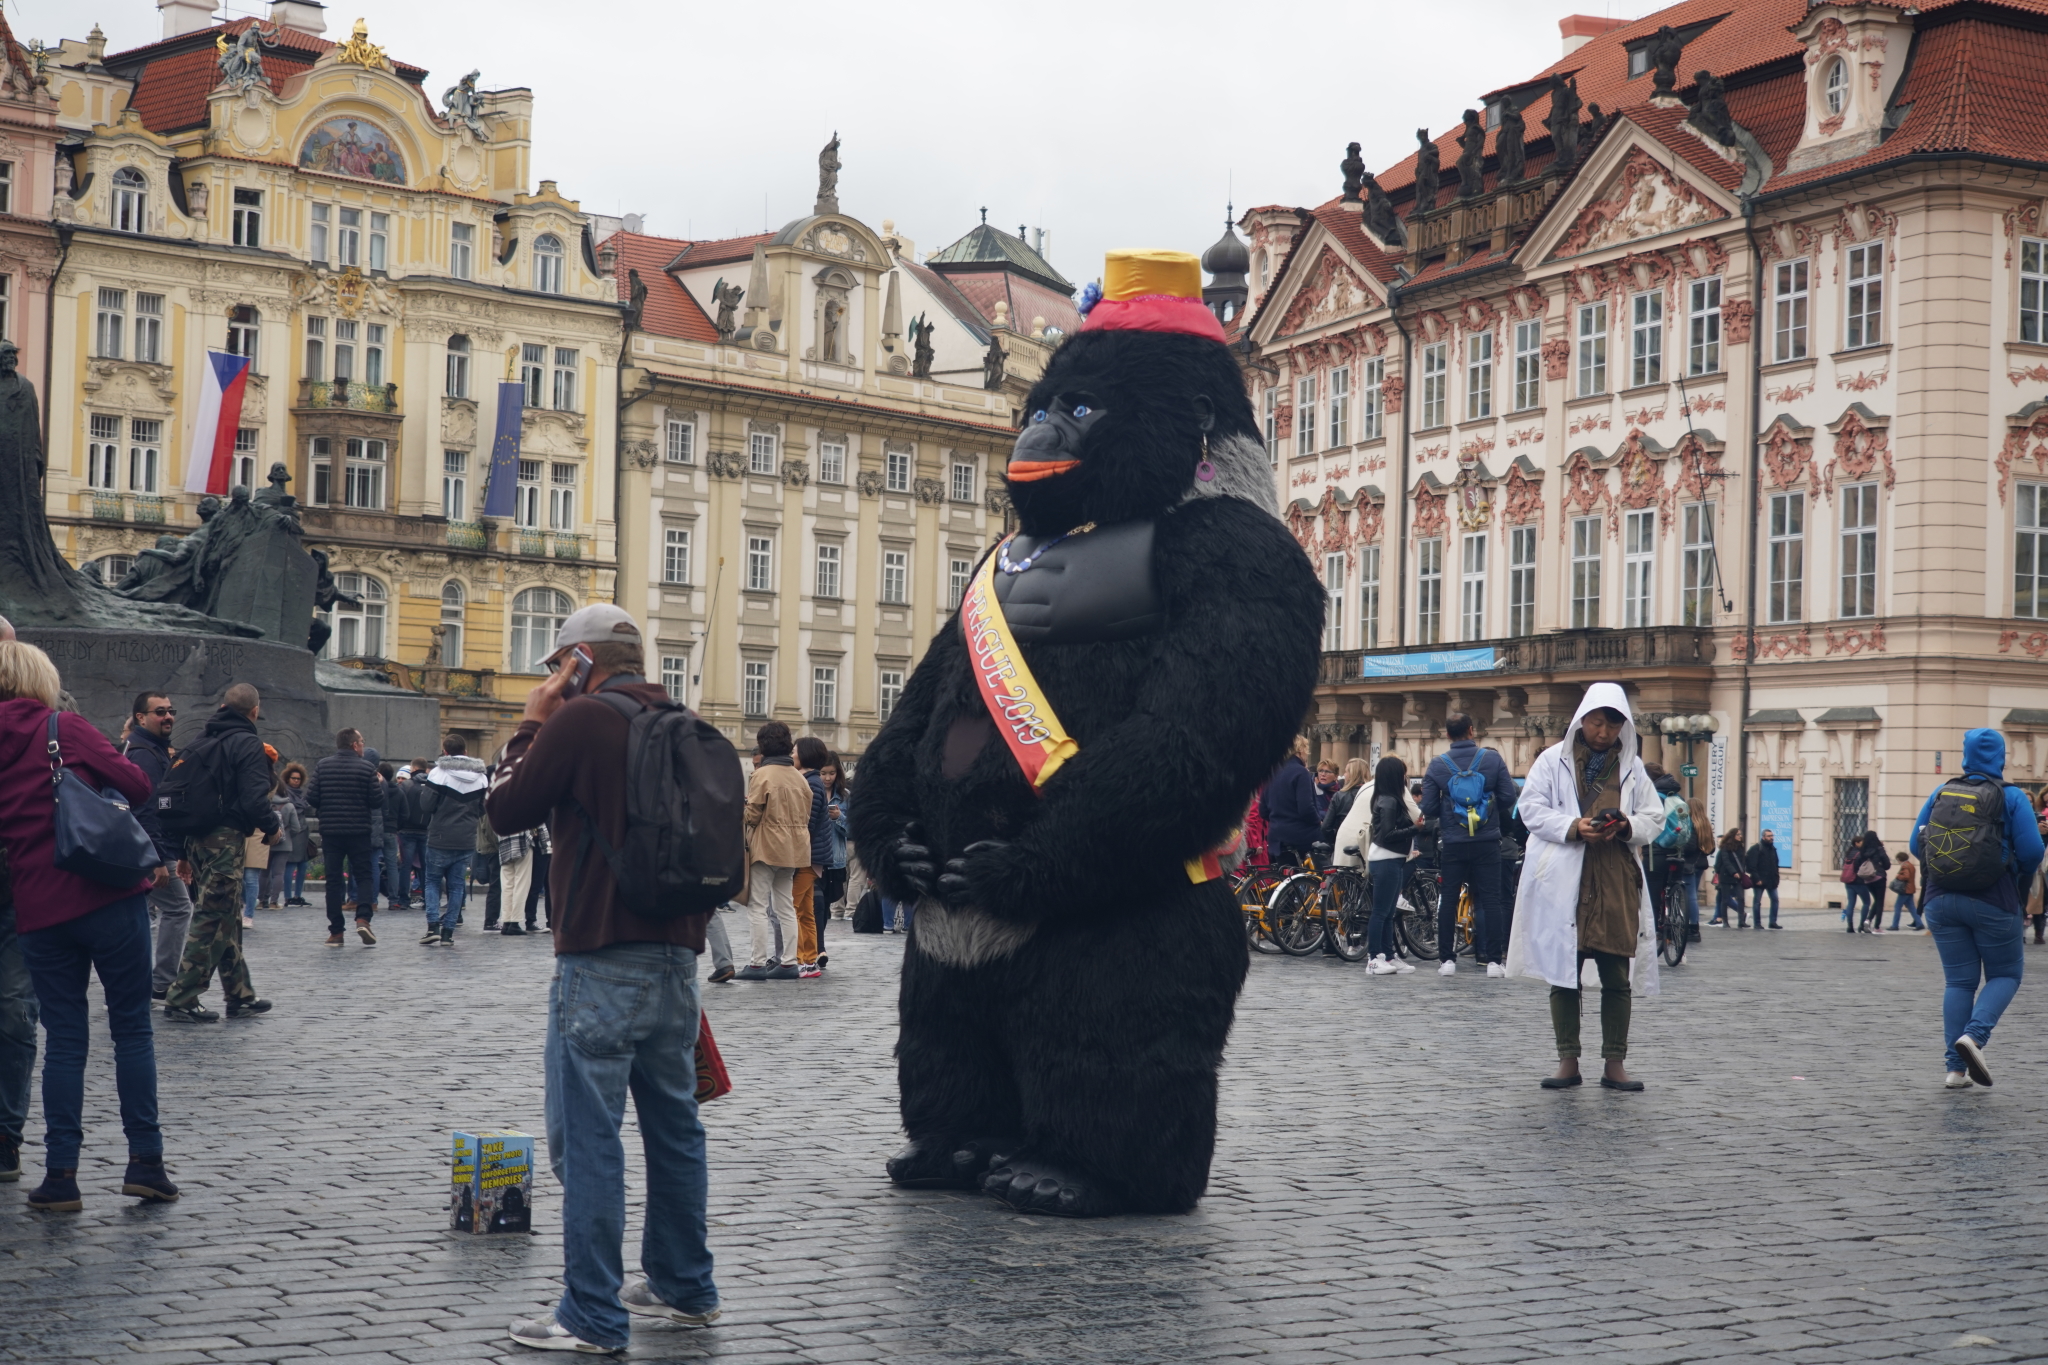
1556, 891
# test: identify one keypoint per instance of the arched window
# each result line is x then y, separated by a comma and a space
537, 616
243, 324
547, 263
1837, 87
359, 630
451, 624
131, 201
458, 366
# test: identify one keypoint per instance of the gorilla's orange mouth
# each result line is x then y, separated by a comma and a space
1031, 471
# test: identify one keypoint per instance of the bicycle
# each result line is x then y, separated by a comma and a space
1674, 928
1415, 914
1295, 908
1264, 924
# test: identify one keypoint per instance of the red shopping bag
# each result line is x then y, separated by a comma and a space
712, 1078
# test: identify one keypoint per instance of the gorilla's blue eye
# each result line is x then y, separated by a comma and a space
1038, 416
1080, 410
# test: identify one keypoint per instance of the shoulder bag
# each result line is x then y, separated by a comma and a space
97, 835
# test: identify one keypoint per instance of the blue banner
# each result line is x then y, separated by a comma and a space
1425, 661
1774, 813
503, 489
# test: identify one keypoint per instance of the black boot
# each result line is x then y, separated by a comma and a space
58, 1193
147, 1179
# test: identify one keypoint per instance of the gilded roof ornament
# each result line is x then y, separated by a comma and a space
360, 51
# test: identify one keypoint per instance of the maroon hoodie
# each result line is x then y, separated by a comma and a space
43, 894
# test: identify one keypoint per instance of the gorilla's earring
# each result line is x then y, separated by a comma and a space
1205, 471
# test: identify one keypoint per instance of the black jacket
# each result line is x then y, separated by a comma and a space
1392, 827
153, 755
243, 770
405, 810
1436, 792
450, 812
1763, 864
344, 790
1340, 807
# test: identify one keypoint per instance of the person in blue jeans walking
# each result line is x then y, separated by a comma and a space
622, 1011
451, 800
1979, 845
1468, 791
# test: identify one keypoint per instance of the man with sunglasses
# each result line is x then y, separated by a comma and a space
170, 899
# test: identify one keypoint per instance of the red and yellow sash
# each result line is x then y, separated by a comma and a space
1022, 713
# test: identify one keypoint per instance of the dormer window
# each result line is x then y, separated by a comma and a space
1835, 90
547, 264
1638, 61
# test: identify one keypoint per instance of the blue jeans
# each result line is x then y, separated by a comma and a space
894, 911
1388, 874
1477, 865
114, 940
1854, 895
1975, 938
1902, 904
1757, 895
252, 885
1691, 882
17, 1030
625, 1018
412, 858
294, 882
447, 886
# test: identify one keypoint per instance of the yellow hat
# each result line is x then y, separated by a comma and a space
1133, 274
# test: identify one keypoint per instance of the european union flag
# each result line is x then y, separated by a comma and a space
500, 494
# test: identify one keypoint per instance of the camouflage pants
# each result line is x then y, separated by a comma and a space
214, 942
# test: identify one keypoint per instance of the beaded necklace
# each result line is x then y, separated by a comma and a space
1009, 566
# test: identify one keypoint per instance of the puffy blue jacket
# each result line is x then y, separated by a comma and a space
1289, 805
1984, 756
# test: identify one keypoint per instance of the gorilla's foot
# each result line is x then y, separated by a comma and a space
946, 1163
1030, 1185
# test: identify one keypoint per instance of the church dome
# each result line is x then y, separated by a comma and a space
1230, 256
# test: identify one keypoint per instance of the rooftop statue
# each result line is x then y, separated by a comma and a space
1471, 156
1509, 142
828, 178
1353, 167
241, 62
1427, 174
462, 104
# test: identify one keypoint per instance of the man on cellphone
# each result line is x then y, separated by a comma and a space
623, 1008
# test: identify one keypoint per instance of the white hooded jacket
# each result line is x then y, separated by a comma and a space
1546, 934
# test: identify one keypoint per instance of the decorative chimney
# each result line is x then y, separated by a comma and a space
1580, 29
307, 16
185, 16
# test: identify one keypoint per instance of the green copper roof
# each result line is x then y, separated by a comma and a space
987, 245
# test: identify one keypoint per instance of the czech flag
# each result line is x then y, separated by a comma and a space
211, 451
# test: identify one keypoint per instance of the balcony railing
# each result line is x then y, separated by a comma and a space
108, 507
533, 542
568, 545
348, 394
452, 682
151, 510
468, 535
1570, 651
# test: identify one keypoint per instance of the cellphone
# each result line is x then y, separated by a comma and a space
1611, 819
580, 662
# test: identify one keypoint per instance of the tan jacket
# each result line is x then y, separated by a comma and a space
778, 816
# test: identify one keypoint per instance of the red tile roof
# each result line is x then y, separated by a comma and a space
1027, 298
720, 252
174, 77
670, 311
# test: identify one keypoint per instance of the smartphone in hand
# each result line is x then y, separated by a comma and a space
580, 662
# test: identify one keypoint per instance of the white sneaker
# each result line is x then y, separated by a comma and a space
1401, 965
1958, 1080
1380, 967
545, 1334
1401, 903
1495, 969
1448, 969
639, 1297
1973, 1059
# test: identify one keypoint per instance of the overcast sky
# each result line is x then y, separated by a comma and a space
1109, 123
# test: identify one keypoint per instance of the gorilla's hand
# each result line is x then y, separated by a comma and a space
957, 883
907, 864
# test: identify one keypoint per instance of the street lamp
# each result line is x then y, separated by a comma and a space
1689, 730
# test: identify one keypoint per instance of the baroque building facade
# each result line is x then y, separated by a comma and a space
381, 259
812, 427
1732, 386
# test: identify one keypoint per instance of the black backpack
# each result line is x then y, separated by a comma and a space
188, 800
686, 800
1964, 841
867, 916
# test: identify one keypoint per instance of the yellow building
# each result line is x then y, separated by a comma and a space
378, 256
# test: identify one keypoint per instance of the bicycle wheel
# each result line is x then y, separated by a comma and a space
1293, 913
1347, 913
1464, 933
1253, 886
1417, 919
1672, 929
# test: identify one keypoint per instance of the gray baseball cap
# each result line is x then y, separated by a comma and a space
597, 625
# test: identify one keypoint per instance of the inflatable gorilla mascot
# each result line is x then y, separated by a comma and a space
1149, 641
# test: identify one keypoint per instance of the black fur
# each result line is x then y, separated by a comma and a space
1077, 1073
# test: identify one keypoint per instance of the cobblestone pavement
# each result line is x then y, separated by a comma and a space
1390, 1183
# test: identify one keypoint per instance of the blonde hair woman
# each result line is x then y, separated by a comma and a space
70, 928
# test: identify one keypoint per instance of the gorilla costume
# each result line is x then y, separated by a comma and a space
1074, 959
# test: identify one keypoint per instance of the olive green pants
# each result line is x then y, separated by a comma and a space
1614, 1009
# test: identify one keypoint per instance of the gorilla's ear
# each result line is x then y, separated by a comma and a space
1205, 412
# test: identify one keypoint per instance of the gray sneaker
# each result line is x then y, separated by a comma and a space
545, 1334
639, 1297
